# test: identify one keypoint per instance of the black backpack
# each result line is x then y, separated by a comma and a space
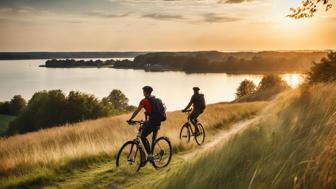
199, 102
158, 109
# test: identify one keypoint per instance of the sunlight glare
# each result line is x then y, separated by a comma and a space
293, 80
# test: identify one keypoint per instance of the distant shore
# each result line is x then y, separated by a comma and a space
206, 62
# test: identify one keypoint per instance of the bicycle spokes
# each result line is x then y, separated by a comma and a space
129, 158
162, 153
185, 134
159, 153
200, 136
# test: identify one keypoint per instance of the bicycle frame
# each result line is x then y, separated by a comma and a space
188, 112
138, 138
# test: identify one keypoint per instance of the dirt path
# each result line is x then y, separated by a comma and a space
223, 135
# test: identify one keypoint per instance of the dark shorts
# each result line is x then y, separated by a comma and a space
148, 128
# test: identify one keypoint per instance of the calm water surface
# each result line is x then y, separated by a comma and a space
174, 88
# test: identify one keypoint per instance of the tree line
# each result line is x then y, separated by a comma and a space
244, 62
54, 108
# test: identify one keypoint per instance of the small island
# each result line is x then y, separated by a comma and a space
72, 63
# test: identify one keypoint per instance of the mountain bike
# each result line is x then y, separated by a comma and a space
187, 131
133, 155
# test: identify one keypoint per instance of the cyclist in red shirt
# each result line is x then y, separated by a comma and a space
151, 125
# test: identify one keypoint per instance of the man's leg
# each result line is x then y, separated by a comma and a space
193, 118
145, 132
155, 132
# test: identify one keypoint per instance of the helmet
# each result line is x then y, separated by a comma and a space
196, 88
147, 89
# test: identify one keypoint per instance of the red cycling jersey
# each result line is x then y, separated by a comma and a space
144, 103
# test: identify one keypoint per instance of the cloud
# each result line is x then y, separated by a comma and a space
193, 1
107, 15
72, 21
233, 1
160, 16
23, 12
214, 18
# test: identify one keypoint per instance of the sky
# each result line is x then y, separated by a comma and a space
161, 25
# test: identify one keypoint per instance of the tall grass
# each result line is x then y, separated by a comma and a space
37, 154
293, 145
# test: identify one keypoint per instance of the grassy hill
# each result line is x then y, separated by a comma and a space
76, 153
4, 121
292, 145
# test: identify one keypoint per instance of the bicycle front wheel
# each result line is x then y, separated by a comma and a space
201, 135
129, 157
162, 152
185, 133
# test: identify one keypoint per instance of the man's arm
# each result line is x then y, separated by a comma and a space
135, 113
190, 103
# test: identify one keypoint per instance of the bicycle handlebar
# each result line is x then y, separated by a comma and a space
187, 111
136, 122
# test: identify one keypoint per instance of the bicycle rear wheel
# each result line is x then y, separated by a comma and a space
129, 158
201, 135
185, 133
162, 152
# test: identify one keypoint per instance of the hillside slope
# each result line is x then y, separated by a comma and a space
54, 156
291, 146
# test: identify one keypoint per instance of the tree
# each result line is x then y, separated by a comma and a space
325, 70
246, 87
14, 106
308, 8
5, 108
17, 104
45, 109
269, 87
118, 100
81, 106
272, 82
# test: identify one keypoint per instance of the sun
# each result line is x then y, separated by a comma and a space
293, 80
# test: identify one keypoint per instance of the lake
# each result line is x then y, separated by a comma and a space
24, 77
